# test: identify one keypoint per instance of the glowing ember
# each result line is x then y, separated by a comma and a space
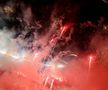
91, 59
8, 9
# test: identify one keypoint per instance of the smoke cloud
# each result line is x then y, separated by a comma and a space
33, 42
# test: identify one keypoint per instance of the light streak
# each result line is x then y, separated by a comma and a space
35, 56
52, 83
46, 80
105, 1
74, 55
63, 30
90, 61
15, 56
53, 40
12, 55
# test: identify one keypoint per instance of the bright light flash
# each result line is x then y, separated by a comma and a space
3, 51
60, 66
13, 55
90, 61
60, 79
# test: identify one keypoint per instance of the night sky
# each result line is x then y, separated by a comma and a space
72, 10
81, 9
45, 11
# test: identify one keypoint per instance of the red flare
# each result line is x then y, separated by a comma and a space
91, 60
65, 28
